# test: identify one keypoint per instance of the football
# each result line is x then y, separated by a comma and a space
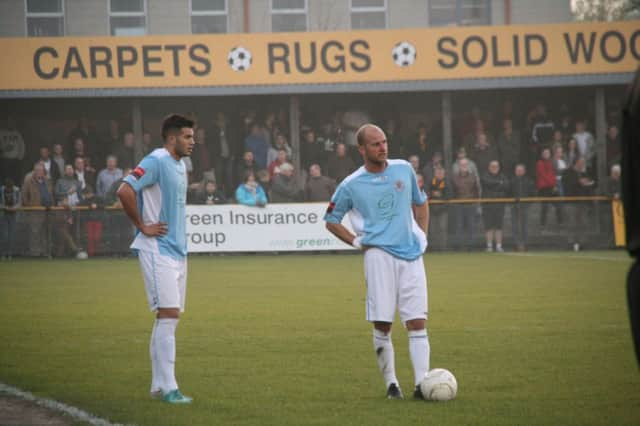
404, 54
439, 385
239, 59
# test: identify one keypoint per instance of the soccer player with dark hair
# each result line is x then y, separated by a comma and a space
154, 197
631, 200
390, 216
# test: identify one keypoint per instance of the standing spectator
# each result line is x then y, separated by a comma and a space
274, 166
125, 152
421, 146
280, 144
546, 185
542, 128
147, 143
438, 188
559, 165
108, 176
211, 194
201, 157
81, 131
509, 145
67, 188
247, 165
586, 143
578, 184
466, 186
482, 153
340, 165
312, 150
436, 161
79, 149
250, 193
9, 203
257, 144
494, 185
12, 150
572, 153
613, 145
521, 187
461, 154
37, 191
222, 139
58, 158
50, 168
414, 160
83, 174
613, 183
112, 140
557, 138
284, 187
318, 187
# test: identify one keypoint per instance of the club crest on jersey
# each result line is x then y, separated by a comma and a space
138, 172
399, 185
331, 207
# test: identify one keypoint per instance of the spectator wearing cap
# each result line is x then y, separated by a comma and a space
319, 187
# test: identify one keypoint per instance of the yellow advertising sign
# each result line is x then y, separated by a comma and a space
323, 57
617, 210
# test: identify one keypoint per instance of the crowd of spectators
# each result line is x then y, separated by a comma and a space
250, 161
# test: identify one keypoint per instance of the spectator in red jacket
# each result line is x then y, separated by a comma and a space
546, 185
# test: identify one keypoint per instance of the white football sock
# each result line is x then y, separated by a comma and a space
165, 348
420, 351
155, 380
384, 352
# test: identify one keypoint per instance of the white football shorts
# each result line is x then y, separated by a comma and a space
392, 284
165, 280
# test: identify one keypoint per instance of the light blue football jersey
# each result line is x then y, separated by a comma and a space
380, 208
161, 184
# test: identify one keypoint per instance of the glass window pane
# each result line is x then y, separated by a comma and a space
442, 16
44, 6
207, 5
288, 4
209, 24
45, 27
367, 3
127, 5
363, 20
127, 25
288, 22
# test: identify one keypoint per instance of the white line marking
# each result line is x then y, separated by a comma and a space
51, 404
564, 256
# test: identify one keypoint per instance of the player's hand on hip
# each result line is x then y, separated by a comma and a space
154, 229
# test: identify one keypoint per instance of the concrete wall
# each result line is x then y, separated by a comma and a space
13, 22
235, 22
86, 17
540, 11
259, 16
328, 15
168, 17
407, 14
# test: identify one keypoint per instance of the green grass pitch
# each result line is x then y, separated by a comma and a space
541, 339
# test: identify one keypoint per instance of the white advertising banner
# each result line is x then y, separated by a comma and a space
276, 227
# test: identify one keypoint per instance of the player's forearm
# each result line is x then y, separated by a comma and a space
422, 217
341, 232
127, 197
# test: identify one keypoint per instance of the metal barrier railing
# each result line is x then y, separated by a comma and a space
455, 224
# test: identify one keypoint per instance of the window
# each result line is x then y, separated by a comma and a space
208, 16
459, 12
127, 17
45, 18
367, 14
288, 15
